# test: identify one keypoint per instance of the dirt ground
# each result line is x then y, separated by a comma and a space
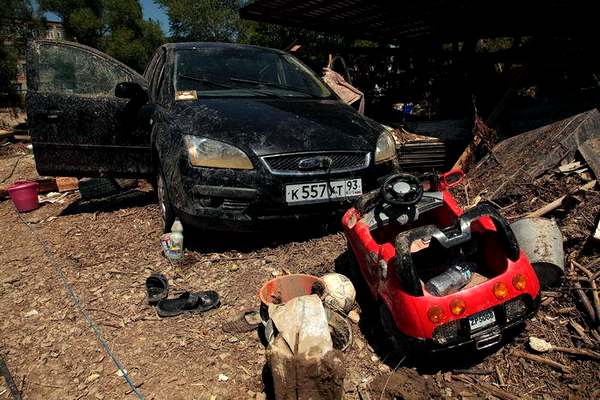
107, 249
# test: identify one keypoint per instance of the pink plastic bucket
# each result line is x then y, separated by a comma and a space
24, 195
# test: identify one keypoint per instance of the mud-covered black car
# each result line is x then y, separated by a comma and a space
235, 135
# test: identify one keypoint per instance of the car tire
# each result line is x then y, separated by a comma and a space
164, 203
395, 341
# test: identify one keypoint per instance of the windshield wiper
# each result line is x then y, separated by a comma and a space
204, 80
276, 85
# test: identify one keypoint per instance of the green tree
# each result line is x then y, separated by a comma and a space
130, 39
207, 20
13, 38
82, 19
116, 27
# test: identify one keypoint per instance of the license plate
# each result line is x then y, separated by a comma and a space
322, 191
482, 319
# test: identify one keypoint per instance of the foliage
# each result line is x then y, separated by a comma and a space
21, 9
207, 20
115, 27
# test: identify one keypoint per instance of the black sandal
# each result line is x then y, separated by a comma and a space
157, 288
188, 303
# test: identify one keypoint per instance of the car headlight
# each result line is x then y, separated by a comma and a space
385, 149
214, 154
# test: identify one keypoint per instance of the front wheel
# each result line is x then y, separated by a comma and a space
164, 203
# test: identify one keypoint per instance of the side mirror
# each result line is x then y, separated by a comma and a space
451, 179
130, 90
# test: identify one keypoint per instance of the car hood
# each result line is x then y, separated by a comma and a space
271, 126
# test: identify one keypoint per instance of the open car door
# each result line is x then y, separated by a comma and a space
78, 126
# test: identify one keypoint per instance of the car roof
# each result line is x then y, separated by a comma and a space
200, 45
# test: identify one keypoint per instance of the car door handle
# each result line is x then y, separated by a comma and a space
50, 115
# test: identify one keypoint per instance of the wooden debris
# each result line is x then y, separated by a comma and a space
542, 346
558, 202
570, 167
590, 150
489, 389
594, 291
585, 301
543, 360
67, 184
472, 371
499, 375
581, 332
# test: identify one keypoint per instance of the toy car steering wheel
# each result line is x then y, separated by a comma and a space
402, 190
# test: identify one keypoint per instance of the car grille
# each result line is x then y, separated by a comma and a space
340, 161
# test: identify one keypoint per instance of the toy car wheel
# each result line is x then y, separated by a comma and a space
164, 203
394, 338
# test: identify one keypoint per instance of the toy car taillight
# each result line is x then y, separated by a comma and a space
446, 333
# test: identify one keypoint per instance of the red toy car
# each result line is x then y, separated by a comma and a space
411, 231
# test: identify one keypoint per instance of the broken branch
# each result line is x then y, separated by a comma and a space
594, 292
585, 301
543, 360
558, 202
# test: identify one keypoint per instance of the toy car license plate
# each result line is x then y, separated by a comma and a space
482, 319
322, 191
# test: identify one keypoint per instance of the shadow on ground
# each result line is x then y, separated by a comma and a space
205, 241
273, 235
126, 199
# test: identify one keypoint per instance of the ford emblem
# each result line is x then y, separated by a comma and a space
313, 163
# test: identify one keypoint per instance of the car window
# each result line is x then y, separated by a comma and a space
219, 69
72, 70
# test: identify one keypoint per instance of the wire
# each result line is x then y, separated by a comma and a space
77, 302
9, 380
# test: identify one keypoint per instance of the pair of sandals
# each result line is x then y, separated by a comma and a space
157, 291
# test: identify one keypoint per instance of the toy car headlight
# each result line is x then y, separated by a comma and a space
385, 149
210, 153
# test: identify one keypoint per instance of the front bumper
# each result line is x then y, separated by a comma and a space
222, 199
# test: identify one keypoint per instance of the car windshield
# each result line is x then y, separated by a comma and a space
244, 71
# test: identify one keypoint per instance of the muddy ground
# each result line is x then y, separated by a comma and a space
107, 249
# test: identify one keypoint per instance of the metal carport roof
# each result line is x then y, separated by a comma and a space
445, 20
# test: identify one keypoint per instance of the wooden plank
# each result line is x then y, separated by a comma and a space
590, 150
67, 184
